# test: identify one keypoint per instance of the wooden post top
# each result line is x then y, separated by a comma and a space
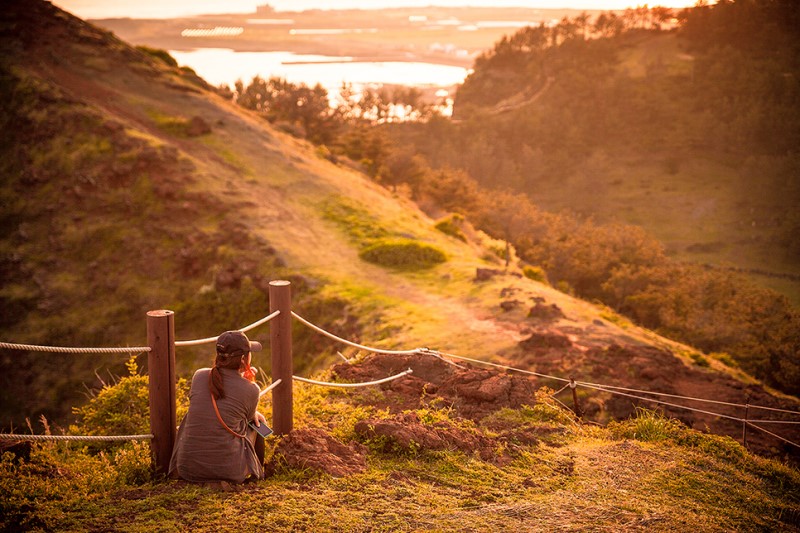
160, 312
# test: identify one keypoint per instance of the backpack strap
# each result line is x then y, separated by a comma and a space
219, 417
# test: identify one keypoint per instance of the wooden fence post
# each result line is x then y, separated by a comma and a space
576, 405
161, 368
745, 422
280, 342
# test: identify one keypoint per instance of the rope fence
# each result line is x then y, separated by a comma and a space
67, 349
354, 344
161, 367
272, 386
353, 385
666, 395
787, 441
660, 402
73, 438
209, 340
569, 383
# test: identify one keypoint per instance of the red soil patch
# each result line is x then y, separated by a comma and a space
318, 450
471, 392
652, 369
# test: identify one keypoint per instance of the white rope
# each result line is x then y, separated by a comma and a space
209, 340
259, 322
561, 389
797, 413
73, 438
607, 388
661, 402
65, 349
773, 434
353, 344
496, 365
365, 384
689, 398
274, 384
773, 421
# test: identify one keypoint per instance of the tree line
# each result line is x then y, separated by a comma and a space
477, 167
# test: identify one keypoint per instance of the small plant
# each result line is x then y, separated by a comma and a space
699, 359
725, 359
565, 287
403, 254
535, 273
647, 426
121, 408
544, 410
451, 225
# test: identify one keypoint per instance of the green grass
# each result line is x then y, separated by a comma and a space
403, 254
650, 472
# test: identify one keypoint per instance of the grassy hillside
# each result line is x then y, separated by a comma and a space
127, 185
363, 462
690, 137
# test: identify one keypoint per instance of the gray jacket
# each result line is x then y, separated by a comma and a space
206, 451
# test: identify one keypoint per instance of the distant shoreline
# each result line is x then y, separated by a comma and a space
358, 54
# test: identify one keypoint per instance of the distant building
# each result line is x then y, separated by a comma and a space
265, 9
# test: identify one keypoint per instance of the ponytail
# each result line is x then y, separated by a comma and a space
215, 383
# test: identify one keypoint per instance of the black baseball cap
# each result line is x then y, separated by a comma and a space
236, 343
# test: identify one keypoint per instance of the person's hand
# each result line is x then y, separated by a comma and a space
258, 419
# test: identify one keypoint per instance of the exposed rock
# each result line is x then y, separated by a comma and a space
485, 274
197, 126
510, 305
545, 312
545, 340
471, 392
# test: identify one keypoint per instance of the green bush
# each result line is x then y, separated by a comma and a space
123, 408
652, 426
535, 273
647, 426
403, 254
699, 359
724, 358
451, 225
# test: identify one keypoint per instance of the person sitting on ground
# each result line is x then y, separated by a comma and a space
214, 441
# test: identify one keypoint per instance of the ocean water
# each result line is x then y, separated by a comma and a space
222, 65
175, 8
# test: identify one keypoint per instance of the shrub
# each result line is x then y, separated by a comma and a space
535, 273
699, 359
451, 225
403, 254
122, 408
724, 358
652, 426
647, 426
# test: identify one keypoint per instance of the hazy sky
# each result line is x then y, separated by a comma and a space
172, 8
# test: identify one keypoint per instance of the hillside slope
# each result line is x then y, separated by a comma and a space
128, 186
692, 141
